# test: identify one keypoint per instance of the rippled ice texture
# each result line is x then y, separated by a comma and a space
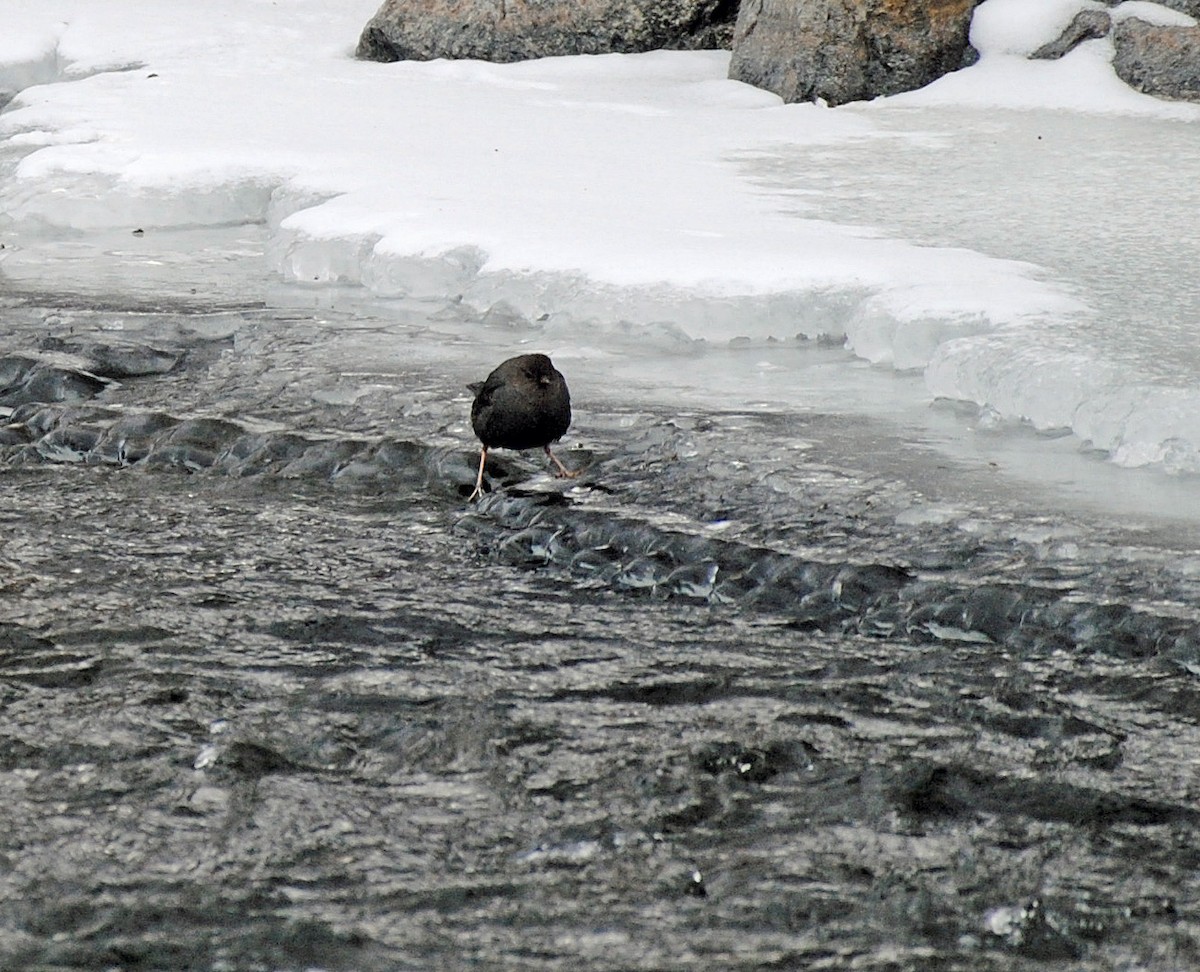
759, 688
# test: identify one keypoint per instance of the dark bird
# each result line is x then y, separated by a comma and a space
524, 404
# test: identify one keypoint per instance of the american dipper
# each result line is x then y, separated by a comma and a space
524, 404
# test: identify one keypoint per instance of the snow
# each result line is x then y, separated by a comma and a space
1152, 13
648, 190
1006, 32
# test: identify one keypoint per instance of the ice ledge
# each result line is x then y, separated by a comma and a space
981, 346
86, 202
40, 68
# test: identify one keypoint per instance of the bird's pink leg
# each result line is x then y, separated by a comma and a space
479, 479
563, 471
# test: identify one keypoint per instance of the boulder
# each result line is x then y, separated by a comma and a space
1086, 25
1162, 61
849, 50
514, 30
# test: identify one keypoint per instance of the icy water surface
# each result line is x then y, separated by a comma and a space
1060, 192
762, 689
1099, 223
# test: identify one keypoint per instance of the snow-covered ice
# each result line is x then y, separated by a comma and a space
1022, 234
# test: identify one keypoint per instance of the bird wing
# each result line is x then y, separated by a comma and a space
485, 390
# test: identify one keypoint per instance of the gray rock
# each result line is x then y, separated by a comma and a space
1087, 25
515, 30
1162, 61
849, 50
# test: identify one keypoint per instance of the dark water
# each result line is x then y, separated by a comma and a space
760, 690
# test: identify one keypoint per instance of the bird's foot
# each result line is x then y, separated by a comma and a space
477, 493
563, 472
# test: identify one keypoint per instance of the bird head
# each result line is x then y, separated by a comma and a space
540, 369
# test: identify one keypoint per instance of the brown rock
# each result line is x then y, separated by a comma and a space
1163, 61
849, 50
515, 30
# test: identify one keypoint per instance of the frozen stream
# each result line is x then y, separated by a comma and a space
868, 638
769, 685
